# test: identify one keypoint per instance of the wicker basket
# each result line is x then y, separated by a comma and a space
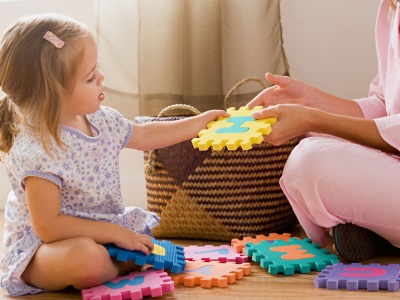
216, 195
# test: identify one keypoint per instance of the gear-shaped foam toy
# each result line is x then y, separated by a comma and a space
165, 255
222, 253
212, 273
293, 255
135, 285
239, 129
239, 245
356, 276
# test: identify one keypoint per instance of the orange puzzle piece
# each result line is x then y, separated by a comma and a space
212, 273
239, 245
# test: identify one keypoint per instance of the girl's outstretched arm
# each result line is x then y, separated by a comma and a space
160, 134
43, 198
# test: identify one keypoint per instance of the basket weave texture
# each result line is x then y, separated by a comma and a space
216, 195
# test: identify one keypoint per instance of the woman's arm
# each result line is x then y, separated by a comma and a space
43, 198
288, 90
160, 134
295, 120
302, 108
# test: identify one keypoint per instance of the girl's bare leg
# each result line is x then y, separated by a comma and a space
77, 262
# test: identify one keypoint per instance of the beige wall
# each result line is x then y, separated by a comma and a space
11, 10
328, 43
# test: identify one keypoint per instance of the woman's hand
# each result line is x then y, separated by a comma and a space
294, 120
284, 90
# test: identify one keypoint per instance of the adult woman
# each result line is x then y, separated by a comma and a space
344, 174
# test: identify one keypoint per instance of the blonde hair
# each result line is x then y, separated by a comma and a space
37, 77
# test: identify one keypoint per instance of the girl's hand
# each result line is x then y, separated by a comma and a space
294, 120
131, 240
284, 90
212, 115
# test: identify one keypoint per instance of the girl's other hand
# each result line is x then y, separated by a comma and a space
135, 241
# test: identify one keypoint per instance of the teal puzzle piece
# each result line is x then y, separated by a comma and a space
237, 125
288, 257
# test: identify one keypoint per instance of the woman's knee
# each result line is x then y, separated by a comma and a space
303, 164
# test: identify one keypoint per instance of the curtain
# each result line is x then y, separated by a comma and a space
155, 53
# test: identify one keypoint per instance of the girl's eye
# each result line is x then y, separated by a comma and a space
93, 78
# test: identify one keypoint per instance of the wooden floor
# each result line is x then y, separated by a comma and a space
258, 285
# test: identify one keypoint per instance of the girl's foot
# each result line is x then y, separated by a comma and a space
357, 244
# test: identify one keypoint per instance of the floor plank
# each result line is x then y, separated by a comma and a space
258, 285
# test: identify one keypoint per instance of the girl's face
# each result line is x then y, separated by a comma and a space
87, 94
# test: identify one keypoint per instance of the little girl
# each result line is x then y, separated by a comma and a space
61, 151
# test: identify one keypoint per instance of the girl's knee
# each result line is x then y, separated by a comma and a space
92, 263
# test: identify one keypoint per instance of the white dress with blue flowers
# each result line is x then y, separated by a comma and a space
87, 173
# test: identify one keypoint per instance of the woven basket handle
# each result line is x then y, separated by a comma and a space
240, 83
149, 165
164, 112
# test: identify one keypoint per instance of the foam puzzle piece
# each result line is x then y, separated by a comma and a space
135, 285
165, 255
221, 253
372, 277
211, 273
290, 256
239, 245
240, 129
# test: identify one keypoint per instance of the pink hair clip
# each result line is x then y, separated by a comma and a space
52, 38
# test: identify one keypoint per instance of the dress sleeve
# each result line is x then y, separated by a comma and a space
27, 159
117, 125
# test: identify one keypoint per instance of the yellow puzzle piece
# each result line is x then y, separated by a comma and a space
239, 129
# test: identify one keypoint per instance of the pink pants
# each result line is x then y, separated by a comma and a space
329, 181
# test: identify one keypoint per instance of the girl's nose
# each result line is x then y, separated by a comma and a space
100, 78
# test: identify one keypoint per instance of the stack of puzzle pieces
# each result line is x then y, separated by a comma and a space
217, 266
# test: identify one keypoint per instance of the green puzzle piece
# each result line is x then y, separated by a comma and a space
288, 257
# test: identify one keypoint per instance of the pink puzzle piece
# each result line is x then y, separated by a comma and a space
212, 273
239, 245
221, 253
134, 286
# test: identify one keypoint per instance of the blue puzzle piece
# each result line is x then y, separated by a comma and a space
290, 256
124, 282
165, 255
237, 125
356, 276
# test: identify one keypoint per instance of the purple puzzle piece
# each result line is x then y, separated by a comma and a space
221, 253
356, 276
